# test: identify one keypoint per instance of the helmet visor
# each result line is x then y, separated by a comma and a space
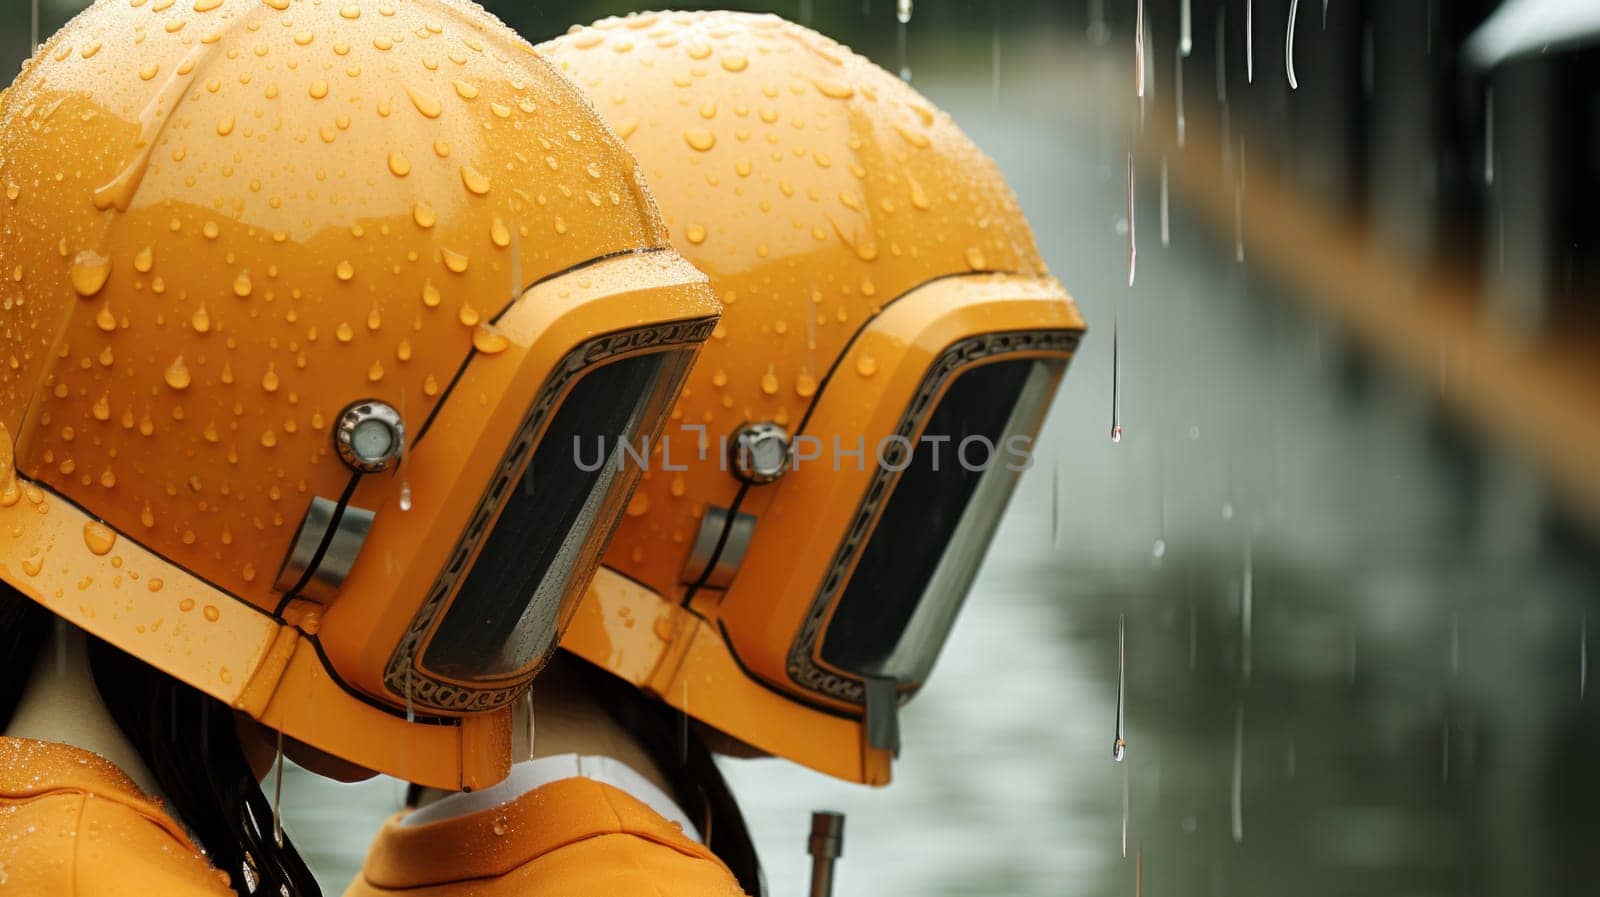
902, 598
506, 619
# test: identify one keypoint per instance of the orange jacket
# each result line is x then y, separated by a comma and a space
572, 838
73, 825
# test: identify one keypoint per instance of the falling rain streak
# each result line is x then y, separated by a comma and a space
277, 795
902, 15
527, 701
1116, 378
1055, 504
1247, 588
1237, 802
1288, 46
1138, 53
1183, 125
1238, 207
1583, 656
1488, 137
1133, 239
1185, 30
1249, 42
1125, 803
1119, 746
1166, 232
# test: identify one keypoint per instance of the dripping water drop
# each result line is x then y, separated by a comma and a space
277, 794
1288, 46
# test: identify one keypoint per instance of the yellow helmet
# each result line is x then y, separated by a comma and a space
294, 293
882, 292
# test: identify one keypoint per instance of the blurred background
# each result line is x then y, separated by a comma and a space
1351, 521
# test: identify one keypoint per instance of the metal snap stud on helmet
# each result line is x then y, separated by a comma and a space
304, 305
836, 466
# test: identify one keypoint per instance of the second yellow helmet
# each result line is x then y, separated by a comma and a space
794, 558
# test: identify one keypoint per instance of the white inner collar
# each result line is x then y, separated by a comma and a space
532, 774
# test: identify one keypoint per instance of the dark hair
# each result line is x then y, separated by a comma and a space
697, 783
188, 740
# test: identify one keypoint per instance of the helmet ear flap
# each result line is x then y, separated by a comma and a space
719, 548
324, 550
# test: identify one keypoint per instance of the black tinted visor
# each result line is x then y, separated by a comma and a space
536, 563
911, 578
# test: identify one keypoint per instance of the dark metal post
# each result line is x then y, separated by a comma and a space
826, 846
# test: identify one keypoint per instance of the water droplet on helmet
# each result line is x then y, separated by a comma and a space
89, 272
176, 375
99, 537
474, 180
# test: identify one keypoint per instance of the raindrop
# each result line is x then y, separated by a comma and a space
1249, 42
1488, 137
1119, 746
683, 726
1183, 123
1138, 870
277, 796
1324, 15
98, 537
1125, 778
1288, 46
405, 496
1133, 242
1116, 379
89, 272
1055, 504
1138, 51
1237, 803
902, 11
1185, 30
1583, 655
1238, 207
527, 702
474, 180
1247, 587
1166, 234
177, 374
900, 42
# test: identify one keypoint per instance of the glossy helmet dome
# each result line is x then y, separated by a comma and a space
304, 303
791, 564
